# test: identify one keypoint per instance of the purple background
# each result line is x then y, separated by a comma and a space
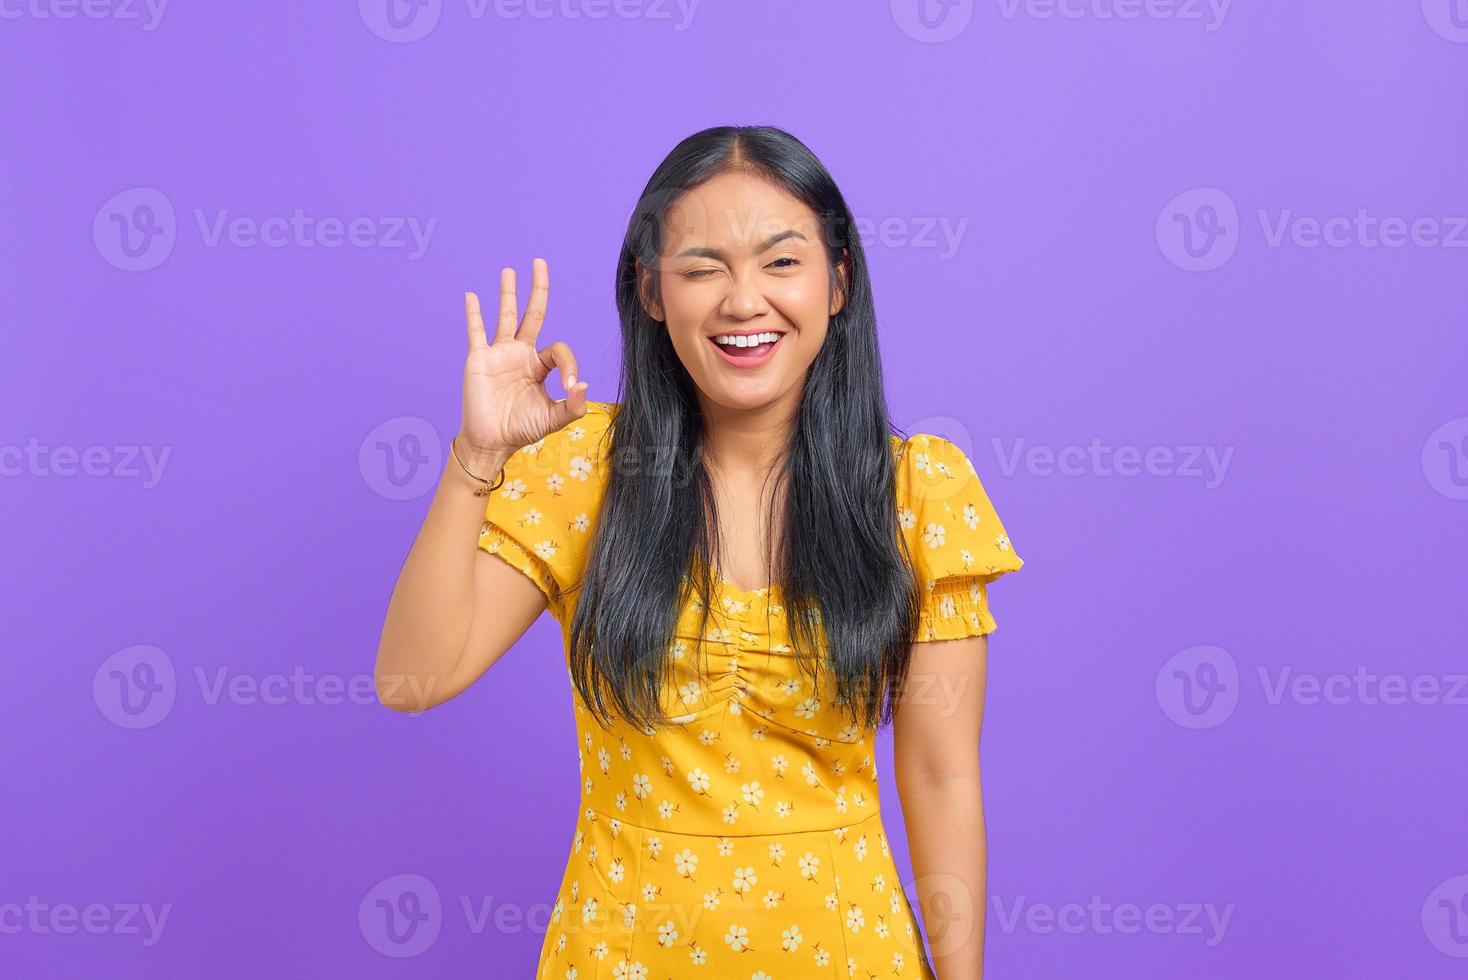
1331, 833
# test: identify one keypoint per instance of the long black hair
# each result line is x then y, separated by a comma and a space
841, 563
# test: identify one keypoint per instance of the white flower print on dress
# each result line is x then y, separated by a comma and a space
699, 780
738, 938
934, 535
753, 795
744, 880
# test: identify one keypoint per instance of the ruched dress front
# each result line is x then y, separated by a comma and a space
745, 839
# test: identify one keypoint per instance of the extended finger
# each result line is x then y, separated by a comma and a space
509, 314
539, 294
476, 321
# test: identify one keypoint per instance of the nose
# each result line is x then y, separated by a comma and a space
744, 299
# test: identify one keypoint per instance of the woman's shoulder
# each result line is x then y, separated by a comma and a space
946, 512
929, 463
541, 517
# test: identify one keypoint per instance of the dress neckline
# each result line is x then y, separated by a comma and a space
767, 589
731, 586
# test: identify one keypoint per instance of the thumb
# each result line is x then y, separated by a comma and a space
570, 408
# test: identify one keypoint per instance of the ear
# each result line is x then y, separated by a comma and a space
843, 282
647, 294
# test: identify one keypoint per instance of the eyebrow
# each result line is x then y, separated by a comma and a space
715, 253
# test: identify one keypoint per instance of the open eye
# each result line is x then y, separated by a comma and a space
793, 262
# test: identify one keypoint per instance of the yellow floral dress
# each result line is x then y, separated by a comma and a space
746, 839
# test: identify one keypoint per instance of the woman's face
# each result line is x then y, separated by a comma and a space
741, 258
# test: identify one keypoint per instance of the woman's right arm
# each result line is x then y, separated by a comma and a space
456, 609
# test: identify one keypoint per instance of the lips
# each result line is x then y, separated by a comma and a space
748, 357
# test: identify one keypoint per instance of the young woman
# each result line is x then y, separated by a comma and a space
751, 573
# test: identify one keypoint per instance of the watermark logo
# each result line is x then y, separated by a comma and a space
1198, 230
932, 21
401, 916
135, 229
1445, 459
401, 458
1448, 17
400, 21
1445, 917
1199, 687
135, 688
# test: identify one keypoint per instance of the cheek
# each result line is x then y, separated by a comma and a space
804, 300
687, 302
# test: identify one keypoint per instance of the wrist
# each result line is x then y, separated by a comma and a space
476, 464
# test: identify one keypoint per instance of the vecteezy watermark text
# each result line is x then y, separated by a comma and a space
1201, 686
38, 918
137, 229
1206, 463
149, 13
1210, 13
137, 687
405, 21
936, 21
122, 462
918, 232
1201, 230
1102, 918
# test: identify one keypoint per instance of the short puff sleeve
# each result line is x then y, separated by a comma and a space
957, 543
541, 518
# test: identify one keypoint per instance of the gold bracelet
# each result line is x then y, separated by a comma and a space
484, 488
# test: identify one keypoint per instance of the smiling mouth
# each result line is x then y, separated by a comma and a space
750, 346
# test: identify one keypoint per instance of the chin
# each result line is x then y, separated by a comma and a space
744, 400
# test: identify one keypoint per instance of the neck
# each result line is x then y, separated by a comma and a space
744, 444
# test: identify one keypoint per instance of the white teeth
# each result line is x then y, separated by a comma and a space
746, 340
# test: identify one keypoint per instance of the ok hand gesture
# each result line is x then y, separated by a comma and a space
505, 402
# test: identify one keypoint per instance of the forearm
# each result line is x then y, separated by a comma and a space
430, 613
945, 831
